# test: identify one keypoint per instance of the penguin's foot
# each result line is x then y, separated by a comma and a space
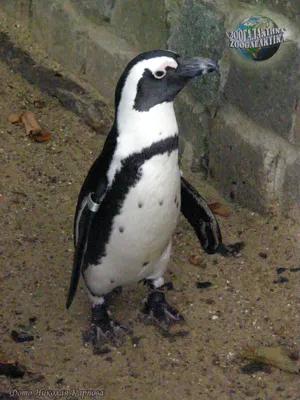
105, 330
230, 249
157, 311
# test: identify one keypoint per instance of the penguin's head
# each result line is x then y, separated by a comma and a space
156, 77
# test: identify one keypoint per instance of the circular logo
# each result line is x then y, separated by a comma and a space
257, 38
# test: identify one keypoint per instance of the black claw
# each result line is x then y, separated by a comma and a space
105, 330
159, 312
230, 249
100, 316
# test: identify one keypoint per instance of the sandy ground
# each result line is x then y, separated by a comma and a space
39, 184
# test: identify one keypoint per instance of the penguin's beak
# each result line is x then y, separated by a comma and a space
195, 66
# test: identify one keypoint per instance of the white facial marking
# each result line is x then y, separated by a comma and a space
160, 73
138, 130
130, 88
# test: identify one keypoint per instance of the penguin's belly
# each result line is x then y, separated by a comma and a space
143, 229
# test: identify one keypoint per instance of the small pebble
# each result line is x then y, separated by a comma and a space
135, 340
21, 337
203, 285
280, 270
99, 351
254, 367
214, 317
281, 279
263, 255
295, 269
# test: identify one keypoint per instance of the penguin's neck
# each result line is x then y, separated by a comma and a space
139, 130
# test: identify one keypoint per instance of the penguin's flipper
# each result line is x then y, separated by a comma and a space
196, 211
86, 216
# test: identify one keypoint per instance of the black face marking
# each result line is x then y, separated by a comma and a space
152, 91
121, 229
145, 263
140, 205
161, 202
112, 281
125, 179
144, 56
175, 200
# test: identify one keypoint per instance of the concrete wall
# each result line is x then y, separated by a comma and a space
242, 126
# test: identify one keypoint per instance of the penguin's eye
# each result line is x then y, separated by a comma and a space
159, 74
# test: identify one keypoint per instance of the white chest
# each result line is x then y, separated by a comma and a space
142, 231
150, 211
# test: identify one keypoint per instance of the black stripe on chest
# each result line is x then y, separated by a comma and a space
125, 179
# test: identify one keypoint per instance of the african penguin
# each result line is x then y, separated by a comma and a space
130, 201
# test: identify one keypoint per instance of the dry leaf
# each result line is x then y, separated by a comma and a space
274, 356
31, 125
214, 206
195, 260
15, 118
216, 209
12, 369
41, 137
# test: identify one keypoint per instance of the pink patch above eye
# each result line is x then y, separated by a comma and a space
169, 64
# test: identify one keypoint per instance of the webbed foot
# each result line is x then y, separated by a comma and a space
230, 249
104, 330
157, 311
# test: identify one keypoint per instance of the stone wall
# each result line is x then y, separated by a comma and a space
241, 125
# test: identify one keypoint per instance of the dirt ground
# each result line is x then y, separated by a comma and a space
243, 307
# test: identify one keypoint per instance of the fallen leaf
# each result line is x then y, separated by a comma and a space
41, 137
214, 206
274, 356
15, 118
216, 209
12, 369
195, 260
31, 125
